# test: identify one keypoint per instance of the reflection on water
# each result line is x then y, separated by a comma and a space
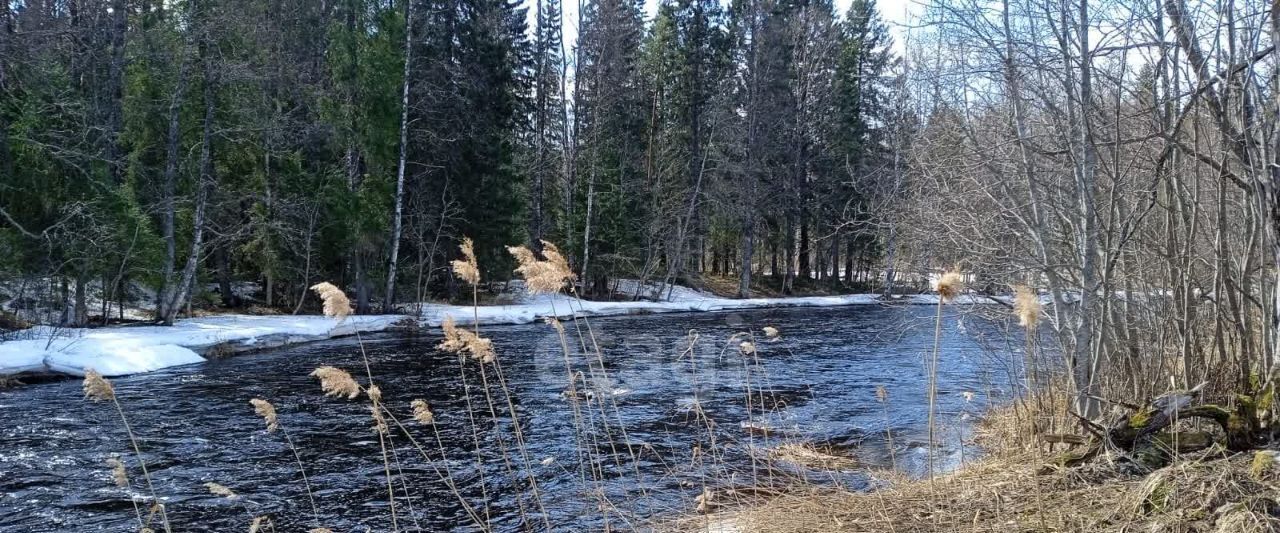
816, 384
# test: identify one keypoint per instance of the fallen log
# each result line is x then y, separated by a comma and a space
1150, 438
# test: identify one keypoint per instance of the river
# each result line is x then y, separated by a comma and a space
815, 384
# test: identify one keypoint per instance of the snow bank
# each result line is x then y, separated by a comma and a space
529, 308
130, 350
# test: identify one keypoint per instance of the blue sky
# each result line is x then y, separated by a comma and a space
897, 13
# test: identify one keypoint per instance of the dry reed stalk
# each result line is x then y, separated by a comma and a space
600, 374
882, 396
456, 343
121, 478
459, 340
268, 413
447, 475
337, 382
550, 276
98, 388
949, 287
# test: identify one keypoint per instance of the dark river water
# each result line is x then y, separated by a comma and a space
638, 452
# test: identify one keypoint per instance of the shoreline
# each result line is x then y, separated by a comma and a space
45, 351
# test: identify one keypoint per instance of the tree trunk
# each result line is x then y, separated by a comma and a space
6, 36
164, 296
115, 88
205, 182
789, 255
223, 260
388, 302
805, 249
748, 250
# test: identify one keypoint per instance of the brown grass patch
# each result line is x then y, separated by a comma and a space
1002, 493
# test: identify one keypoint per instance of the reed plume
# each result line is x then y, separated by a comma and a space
336, 382
1026, 306
267, 411
467, 269
422, 412
221, 490
464, 341
747, 348
97, 388
320, 530
118, 475
770, 332
336, 304
950, 285
256, 525
546, 276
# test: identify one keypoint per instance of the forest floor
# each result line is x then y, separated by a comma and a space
1010, 490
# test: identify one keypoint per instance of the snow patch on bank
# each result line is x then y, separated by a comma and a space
118, 351
529, 308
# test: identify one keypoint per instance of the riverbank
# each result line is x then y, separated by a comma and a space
116, 351
1010, 489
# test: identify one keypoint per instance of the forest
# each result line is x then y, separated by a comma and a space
1108, 167
180, 145
1122, 158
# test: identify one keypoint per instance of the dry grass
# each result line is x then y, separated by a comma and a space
810, 456
1003, 493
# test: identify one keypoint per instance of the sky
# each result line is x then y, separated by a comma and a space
898, 14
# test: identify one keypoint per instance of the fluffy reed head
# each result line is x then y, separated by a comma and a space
217, 489
422, 412
882, 394
464, 341
770, 332
256, 525
118, 474
747, 348
320, 530
375, 393
1026, 305
336, 382
267, 411
96, 387
544, 276
467, 269
950, 285
968, 396
336, 304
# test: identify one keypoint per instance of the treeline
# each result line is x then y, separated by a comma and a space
178, 144
1122, 158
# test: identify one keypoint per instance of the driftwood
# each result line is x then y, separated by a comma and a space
1149, 437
